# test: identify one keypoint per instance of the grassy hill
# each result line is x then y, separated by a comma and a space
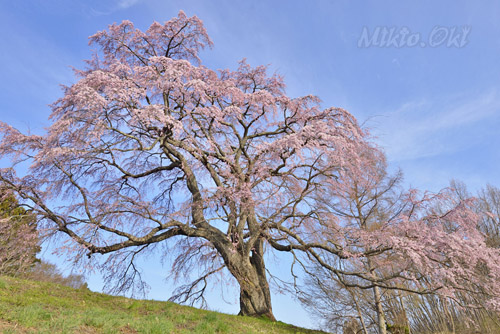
38, 307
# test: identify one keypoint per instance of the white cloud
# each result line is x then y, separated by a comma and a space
432, 127
124, 4
100, 8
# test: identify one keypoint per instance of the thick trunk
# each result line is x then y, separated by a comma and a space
255, 295
255, 301
246, 264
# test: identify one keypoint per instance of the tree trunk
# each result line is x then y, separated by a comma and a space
255, 300
255, 295
382, 326
380, 311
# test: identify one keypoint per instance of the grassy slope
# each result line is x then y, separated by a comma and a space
36, 307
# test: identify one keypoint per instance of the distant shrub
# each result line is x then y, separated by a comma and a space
47, 272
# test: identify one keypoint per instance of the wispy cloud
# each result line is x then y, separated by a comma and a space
428, 128
100, 8
124, 4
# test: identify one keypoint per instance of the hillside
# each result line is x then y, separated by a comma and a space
38, 307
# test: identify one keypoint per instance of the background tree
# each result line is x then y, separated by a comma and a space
335, 306
20, 243
433, 313
19, 239
398, 242
149, 146
48, 272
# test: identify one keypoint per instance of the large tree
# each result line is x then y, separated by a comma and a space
149, 146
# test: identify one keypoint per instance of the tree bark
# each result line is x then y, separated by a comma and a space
255, 295
255, 299
380, 311
250, 272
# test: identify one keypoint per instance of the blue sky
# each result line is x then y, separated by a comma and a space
434, 110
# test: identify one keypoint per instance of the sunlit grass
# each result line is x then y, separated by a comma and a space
38, 307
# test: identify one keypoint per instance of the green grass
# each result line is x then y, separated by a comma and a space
39, 307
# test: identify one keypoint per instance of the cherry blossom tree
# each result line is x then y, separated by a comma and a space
149, 147
406, 241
